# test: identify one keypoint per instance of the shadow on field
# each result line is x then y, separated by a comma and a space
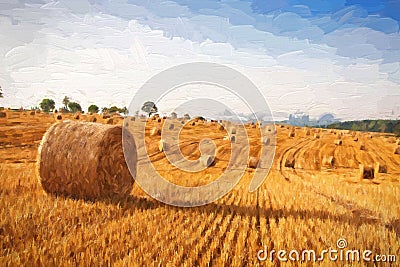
356, 217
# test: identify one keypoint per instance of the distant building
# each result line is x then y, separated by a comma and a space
299, 119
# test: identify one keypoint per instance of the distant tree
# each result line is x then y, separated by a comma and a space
174, 115
149, 107
93, 108
123, 110
74, 107
104, 110
1, 92
47, 105
186, 116
66, 101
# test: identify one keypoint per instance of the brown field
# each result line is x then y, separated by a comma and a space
313, 195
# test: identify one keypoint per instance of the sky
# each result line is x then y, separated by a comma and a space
316, 56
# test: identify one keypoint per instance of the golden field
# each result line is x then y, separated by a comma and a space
312, 196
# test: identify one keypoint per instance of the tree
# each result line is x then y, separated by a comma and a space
186, 116
1, 92
47, 105
66, 101
74, 107
174, 115
149, 107
93, 109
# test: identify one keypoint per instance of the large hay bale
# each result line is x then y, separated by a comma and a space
289, 162
328, 161
397, 150
362, 146
291, 134
316, 136
398, 143
221, 127
155, 131
233, 139
59, 117
171, 126
380, 167
366, 172
3, 114
85, 160
355, 139
77, 116
206, 160
308, 132
338, 142
253, 162
233, 130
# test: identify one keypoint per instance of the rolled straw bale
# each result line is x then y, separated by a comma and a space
253, 162
316, 136
3, 114
289, 162
355, 139
93, 119
266, 141
366, 172
110, 121
155, 131
59, 117
158, 120
171, 126
308, 132
206, 160
233, 139
32, 113
221, 127
85, 160
291, 134
193, 123
362, 146
133, 118
233, 130
328, 161
338, 142
380, 167
397, 150
398, 143
77, 116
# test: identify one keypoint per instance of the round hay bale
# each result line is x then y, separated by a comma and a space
292, 134
221, 127
193, 123
162, 145
158, 120
32, 113
308, 132
366, 172
171, 126
110, 121
316, 136
3, 114
206, 160
380, 167
105, 116
76, 116
355, 139
362, 146
59, 117
133, 118
155, 131
233, 130
289, 162
338, 142
328, 161
92, 119
397, 150
85, 160
266, 141
398, 143
233, 139
253, 162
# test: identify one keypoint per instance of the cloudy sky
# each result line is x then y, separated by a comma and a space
337, 56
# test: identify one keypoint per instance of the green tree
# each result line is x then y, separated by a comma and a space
149, 107
47, 105
66, 101
74, 107
186, 116
93, 109
174, 115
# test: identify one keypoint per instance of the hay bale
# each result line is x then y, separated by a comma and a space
233, 130
380, 168
206, 160
155, 131
366, 172
32, 113
397, 150
266, 141
289, 162
253, 162
221, 127
355, 139
133, 118
193, 123
3, 114
233, 139
338, 142
316, 136
398, 143
85, 160
162, 145
328, 161
105, 116
362, 146
292, 134
308, 132
159, 120
110, 121
92, 119
171, 126
59, 117
76, 116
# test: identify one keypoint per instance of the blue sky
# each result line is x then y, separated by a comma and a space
316, 56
